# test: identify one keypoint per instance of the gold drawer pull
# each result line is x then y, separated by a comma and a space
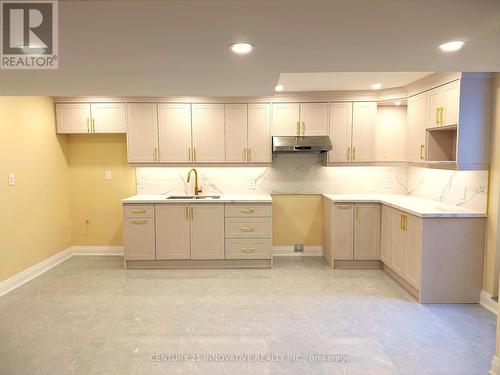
247, 229
143, 221
138, 211
344, 207
248, 249
247, 210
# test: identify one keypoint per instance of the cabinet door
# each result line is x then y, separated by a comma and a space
286, 119
109, 117
208, 133
343, 231
416, 130
451, 103
397, 242
174, 131
259, 134
73, 117
413, 250
314, 118
139, 238
385, 231
235, 121
173, 240
364, 118
367, 231
340, 132
207, 231
434, 103
142, 133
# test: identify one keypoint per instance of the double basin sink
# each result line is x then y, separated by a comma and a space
197, 197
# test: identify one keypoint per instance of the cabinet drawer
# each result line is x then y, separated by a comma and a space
137, 210
248, 248
255, 210
248, 227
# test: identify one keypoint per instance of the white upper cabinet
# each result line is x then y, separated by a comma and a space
416, 129
340, 132
73, 118
236, 118
313, 119
208, 133
108, 117
443, 105
142, 133
364, 119
174, 127
259, 133
286, 119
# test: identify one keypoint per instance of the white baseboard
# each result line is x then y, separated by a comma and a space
495, 366
486, 301
288, 251
98, 250
23, 277
28, 274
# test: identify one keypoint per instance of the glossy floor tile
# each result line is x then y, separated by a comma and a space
90, 316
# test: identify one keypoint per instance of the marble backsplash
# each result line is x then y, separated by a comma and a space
304, 174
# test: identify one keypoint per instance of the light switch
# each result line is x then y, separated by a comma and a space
251, 185
108, 176
12, 179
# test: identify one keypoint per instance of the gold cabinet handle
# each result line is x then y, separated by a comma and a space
422, 152
437, 115
405, 222
357, 213
243, 154
88, 128
348, 153
441, 110
93, 125
353, 153
303, 128
194, 154
247, 210
249, 154
143, 221
187, 213
189, 153
155, 154
344, 207
138, 211
247, 228
298, 127
401, 225
248, 249
192, 212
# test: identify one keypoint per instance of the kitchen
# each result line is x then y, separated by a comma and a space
350, 217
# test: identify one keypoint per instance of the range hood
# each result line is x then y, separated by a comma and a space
305, 144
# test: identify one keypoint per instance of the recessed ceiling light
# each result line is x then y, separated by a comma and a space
398, 102
241, 48
279, 88
452, 46
377, 86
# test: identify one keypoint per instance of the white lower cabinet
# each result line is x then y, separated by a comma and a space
173, 232
356, 231
207, 231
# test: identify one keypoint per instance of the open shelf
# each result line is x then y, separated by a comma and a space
442, 144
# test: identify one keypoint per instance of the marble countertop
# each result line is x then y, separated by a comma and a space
413, 205
240, 198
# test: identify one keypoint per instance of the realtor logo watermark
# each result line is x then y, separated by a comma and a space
29, 37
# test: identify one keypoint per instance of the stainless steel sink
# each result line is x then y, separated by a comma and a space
194, 197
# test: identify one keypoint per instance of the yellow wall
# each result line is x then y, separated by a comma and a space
36, 217
492, 248
297, 219
92, 197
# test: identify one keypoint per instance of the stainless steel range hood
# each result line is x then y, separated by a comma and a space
305, 144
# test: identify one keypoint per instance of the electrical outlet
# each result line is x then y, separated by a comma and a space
12, 179
463, 192
252, 184
108, 175
142, 184
387, 183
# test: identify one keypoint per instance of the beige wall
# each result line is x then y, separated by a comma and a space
36, 217
94, 199
492, 249
297, 219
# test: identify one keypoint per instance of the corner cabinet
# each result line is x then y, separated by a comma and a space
83, 118
172, 235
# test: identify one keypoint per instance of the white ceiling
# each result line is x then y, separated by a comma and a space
161, 48
346, 80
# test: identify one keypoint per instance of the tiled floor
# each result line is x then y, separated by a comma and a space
89, 316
